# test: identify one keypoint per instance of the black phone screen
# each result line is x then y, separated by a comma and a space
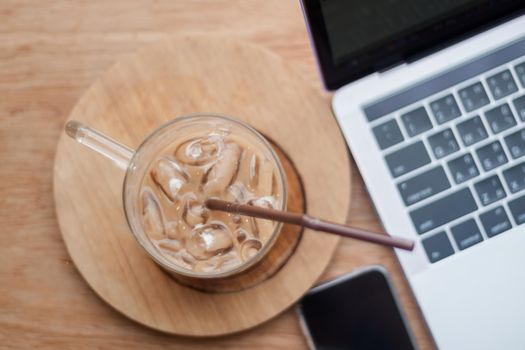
355, 312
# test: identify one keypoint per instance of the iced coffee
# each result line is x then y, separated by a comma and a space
195, 167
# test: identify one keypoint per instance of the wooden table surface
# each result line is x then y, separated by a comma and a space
50, 52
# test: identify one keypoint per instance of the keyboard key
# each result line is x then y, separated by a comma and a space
472, 131
387, 134
473, 97
490, 190
423, 185
516, 143
502, 84
495, 221
491, 155
445, 109
517, 209
443, 210
443, 143
463, 168
407, 159
437, 247
519, 104
466, 234
500, 118
520, 71
416, 121
515, 177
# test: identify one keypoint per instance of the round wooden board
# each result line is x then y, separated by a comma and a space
176, 77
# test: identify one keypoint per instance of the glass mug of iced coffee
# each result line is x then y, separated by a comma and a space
175, 170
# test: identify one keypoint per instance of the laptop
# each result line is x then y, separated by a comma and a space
430, 97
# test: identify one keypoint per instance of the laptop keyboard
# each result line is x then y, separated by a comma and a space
457, 158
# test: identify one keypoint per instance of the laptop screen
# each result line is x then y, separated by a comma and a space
355, 26
354, 38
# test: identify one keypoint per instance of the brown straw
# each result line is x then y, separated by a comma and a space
309, 222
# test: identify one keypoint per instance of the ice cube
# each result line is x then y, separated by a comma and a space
265, 199
209, 240
201, 150
238, 193
220, 262
171, 245
209, 265
265, 178
229, 260
187, 259
254, 229
236, 218
264, 227
152, 215
241, 235
248, 225
194, 213
268, 202
253, 173
250, 248
172, 230
223, 171
169, 176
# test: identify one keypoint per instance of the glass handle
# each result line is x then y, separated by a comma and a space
100, 143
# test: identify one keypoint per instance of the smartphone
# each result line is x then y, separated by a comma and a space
356, 311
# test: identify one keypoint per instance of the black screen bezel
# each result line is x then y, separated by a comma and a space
405, 48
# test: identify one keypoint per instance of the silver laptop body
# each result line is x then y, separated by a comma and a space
440, 143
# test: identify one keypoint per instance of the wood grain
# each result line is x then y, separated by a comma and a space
145, 90
50, 52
